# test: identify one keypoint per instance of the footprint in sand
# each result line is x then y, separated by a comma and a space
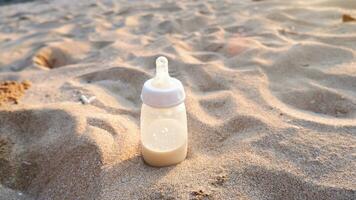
305, 85
203, 80
52, 57
59, 54
273, 184
321, 101
219, 106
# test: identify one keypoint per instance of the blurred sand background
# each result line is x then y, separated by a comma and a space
271, 98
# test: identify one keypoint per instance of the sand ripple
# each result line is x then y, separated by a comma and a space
270, 89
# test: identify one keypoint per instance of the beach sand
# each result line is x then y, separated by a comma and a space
271, 98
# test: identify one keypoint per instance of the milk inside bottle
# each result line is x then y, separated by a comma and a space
164, 131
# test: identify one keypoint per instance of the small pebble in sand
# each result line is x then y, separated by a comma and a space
12, 91
86, 100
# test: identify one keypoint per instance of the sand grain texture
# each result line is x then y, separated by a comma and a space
12, 91
271, 98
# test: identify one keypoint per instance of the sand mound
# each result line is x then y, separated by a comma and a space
54, 153
60, 54
42, 148
270, 87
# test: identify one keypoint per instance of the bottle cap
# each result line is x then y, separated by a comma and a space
162, 91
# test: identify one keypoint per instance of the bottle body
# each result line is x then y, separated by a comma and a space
164, 135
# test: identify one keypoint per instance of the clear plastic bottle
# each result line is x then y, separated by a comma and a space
164, 134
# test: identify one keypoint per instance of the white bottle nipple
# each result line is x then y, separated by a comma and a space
162, 78
162, 91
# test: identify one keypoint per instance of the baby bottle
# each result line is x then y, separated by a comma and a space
164, 131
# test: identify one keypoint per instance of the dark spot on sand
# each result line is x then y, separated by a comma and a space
200, 195
219, 180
